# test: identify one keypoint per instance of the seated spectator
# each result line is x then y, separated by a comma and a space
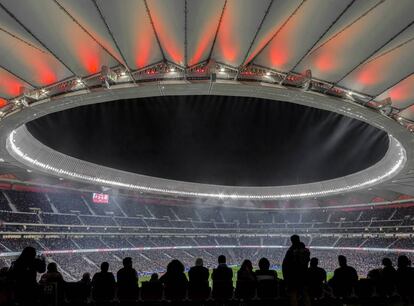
264, 272
127, 278
222, 277
245, 272
316, 278
344, 279
23, 274
103, 284
174, 280
405, 278
246, 281
154, 277
267, 280
198, 280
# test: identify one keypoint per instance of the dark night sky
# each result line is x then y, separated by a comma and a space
214, 139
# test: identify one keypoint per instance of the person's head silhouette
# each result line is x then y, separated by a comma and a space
127, 262
386, 262
104, 266
264, 264
314, 262
295, 240
52, 267
199, 262
246, 265
403, 261
222, 259
342, 261
28, 254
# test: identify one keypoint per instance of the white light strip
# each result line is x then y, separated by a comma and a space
62, 172
197, 247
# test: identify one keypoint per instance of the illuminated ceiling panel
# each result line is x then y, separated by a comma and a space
168, 18
66, 39
132, 30
361, 39
88, 15
357, 10
401, 94
13, 28
35, 66
240, 22
203, 20
10, 84
408, 113
297, 36
376, 75
279, 13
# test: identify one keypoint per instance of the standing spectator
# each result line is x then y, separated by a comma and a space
23, 273
103, 284
198, 280
344, 279
222, 277
405, 278
294, 269
198, 274
127, 278
175, 281
53, 276
246, 280
316, 278
388, 277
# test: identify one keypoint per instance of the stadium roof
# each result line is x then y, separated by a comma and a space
362, 46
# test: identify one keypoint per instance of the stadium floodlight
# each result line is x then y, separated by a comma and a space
109, 77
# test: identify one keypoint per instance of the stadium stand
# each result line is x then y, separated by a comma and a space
78, 235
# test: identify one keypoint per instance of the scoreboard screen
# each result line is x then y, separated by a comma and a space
100, 198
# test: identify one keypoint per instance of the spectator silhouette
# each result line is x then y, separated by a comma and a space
267, 280
294, 269
84, 288
198, 280
405, 278
222, 277
127, 279
174, 280
86, 279
387, 278
23, 273
103, 284
245, 272
52, 276
246, 280
344, 279
264, 272
316, 278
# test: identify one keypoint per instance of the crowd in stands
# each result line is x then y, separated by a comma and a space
303, 280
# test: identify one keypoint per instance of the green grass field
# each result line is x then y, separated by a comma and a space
235, 269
